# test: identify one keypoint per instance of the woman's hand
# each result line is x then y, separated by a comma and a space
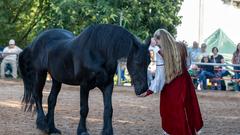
147, 93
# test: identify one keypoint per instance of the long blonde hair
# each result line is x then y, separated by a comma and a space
171, 55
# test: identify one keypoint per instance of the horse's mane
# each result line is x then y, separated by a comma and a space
112, 40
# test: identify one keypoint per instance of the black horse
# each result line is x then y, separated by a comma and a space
89, 60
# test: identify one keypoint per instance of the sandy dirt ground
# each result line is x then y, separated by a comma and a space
132, 115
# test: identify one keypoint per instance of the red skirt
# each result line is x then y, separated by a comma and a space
179, 108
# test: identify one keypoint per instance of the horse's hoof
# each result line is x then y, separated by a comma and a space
54, 131
84, 133
41, 125
54, 134
107, 132
43, 129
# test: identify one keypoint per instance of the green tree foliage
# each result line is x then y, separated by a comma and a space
18, 19
24, 19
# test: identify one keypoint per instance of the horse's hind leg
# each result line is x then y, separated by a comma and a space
37, 93
52, 100
84, 94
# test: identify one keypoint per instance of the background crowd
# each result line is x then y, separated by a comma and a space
213, 72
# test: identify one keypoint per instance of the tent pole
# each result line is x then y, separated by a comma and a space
200, 21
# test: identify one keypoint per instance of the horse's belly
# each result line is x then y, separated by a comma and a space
64, 76
71, 82
68, 79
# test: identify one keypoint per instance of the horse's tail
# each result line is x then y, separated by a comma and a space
27, 74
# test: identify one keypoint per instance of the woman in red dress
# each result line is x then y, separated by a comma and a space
179, 108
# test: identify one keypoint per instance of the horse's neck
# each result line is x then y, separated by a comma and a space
123, 53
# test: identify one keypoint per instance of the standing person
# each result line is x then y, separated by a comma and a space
156, 84
151, 67
179, 108
236, 60
189, 62
153, 50
122, 69
10, 57
1, 50
195, 52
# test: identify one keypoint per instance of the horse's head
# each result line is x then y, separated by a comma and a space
137, 64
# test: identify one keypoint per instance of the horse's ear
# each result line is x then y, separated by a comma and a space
139, 44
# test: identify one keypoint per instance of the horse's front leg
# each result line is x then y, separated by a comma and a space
84, 94
52, 100
108, 110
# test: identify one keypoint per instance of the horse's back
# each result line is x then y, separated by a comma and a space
111, 41
56, 34
109, 35
46, 42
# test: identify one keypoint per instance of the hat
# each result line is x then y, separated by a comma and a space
11, 42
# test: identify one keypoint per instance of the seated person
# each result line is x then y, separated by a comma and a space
219, 70
195, 52
236, 60
10, 57
206, 71
194, 72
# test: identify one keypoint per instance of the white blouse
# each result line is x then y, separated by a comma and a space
158, 82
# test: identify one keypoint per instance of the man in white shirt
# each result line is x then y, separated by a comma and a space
10, 54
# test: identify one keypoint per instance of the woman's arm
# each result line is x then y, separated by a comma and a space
160, 52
